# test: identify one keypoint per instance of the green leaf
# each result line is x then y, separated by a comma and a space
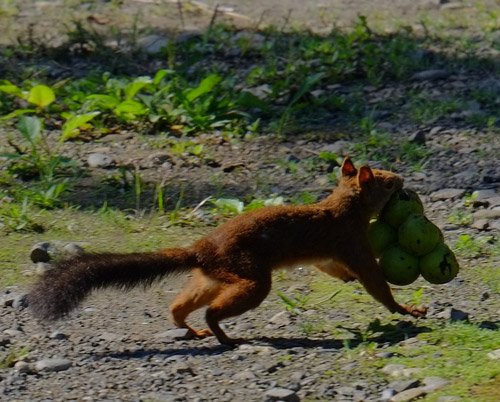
70, 128
30, 128
130, 107
249, 100
230, 205
9, 88
205, 86
103, 101
15, 113
135, 86
160, 74
41, 95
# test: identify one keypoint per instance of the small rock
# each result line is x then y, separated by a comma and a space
447, 194
282, 319
244, 375
55, 364
418, 137
58, 336
23, 367
408, 395
486, 214
453, 315
434, 383
281, 394
153, 44
73, 249
182, 368
13, 333
110, 337
403, 385
177, 334
99, 160
387, 394
494, 355
20, 301
430, 75
480, 224
4, 340
391, 369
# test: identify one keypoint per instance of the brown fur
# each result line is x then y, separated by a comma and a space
232, 266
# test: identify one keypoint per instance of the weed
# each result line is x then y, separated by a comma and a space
471, 247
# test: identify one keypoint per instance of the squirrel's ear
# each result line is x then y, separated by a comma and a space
348, 168
365, 175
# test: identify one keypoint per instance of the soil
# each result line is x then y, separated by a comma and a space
121, 346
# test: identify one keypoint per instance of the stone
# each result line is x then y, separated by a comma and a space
392, 369
494, 355
447, 194
23, 367
403, 385
480, 224
73, 249
453, 315
430, 75
408, 395
54, 364
99, 160
281, 394
58, 336
20, 301
176, 334
434, 383
281, 319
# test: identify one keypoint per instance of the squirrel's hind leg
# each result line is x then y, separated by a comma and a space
199, 292
235, 298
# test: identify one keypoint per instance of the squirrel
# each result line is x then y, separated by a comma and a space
232, 266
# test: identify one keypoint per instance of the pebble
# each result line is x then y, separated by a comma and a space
430, 75
453, 315
100, 160
408, 395
403, 385
447, 194
54, 364
281, 394
432, 384
494, 355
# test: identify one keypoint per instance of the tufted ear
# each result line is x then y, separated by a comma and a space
365, 175
348, 168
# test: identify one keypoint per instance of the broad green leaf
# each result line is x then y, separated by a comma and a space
130, 107
15, 113
30, 128
160, 74
71, 128
103, 101
41, 95
135, 86
9, 88
205, 86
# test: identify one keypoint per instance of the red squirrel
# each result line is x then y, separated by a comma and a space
232, 266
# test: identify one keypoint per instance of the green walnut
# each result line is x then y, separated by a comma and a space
402, 203
439, 266
381, 235
418, 235
399, 267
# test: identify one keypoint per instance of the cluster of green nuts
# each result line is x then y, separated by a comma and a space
408, 244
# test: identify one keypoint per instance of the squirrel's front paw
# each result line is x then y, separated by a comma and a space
415, 311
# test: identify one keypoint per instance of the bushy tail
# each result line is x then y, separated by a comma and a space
62, 289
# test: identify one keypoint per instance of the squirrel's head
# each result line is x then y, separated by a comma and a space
374, 185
